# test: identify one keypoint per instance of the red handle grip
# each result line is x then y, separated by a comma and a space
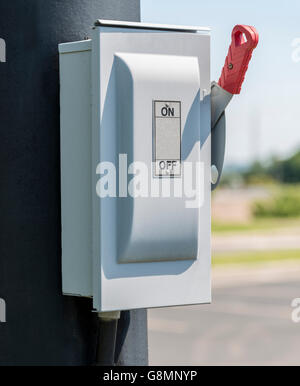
244, 41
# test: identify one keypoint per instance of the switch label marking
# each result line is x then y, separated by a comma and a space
167, 138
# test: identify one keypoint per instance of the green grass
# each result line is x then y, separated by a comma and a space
255, 257
256, 225
283, 203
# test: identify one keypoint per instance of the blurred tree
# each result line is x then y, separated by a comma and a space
286, 171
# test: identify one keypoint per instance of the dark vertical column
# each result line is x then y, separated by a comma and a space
43, 327
132, 338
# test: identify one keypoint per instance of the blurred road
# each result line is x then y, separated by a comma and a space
257, 242
249, 322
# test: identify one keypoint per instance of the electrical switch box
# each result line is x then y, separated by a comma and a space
135, 166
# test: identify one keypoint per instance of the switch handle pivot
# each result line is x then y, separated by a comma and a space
244, 41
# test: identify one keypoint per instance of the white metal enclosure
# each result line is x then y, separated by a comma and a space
142, 91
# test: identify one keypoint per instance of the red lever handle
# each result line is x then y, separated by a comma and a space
244, 41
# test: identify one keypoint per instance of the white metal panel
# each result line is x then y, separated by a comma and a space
151, 26
76, 189
144, 285
147, 227
73, 47
90, 230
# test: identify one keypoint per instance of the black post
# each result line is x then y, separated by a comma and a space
43, 327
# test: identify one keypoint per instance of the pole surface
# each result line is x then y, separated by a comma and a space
42, 327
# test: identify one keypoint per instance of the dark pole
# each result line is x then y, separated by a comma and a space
43, 327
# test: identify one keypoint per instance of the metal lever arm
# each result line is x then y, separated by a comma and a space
219, 101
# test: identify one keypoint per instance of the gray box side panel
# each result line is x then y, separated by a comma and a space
75, 104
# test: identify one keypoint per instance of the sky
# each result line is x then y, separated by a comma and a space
264, 120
